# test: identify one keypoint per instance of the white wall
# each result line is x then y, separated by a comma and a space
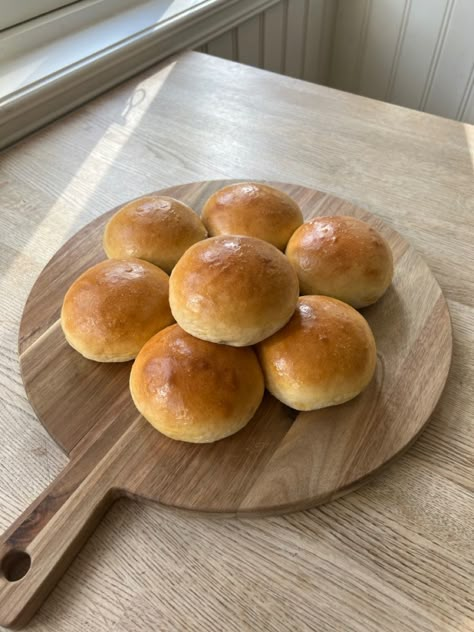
293, 37
416, 53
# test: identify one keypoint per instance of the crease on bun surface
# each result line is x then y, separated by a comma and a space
342, 257
252, 209
325, 355
113, 308
193, 390
155, 228
233, 290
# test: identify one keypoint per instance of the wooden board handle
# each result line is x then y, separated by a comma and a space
38, 548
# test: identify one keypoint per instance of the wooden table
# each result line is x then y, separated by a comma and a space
395, 555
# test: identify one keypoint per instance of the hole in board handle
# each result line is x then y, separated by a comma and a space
15, 565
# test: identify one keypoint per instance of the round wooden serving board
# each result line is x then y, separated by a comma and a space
281, 461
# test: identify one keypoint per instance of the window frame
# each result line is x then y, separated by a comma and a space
42, 100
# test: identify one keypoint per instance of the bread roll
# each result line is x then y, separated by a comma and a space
155, 228
341, 257
325, 355
193, 390
252, 209
233, 290
113, 308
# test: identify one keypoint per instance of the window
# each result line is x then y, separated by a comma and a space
53, 62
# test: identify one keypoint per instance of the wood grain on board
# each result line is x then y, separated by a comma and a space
280, 461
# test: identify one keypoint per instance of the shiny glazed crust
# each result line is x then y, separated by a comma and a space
233, 290
341, 257
325, 355
193, 390
252, 209
113, 308
155, 228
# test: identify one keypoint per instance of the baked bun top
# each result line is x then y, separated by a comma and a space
342, 257
252, 209
324, 355
233, 290
194, 390
156, 228
113, 308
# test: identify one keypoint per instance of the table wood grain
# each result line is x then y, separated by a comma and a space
395, 555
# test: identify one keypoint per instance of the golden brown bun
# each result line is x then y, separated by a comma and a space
341, 257
252, 209
193, 390
233, 290
113, 308
155, 228
324, 356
